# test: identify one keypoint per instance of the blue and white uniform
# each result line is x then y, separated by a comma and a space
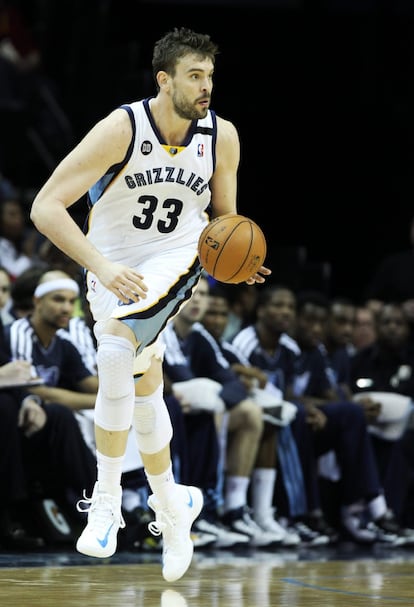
157, 201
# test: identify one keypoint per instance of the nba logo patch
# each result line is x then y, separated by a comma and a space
200, 150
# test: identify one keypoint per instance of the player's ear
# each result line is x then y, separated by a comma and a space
163, 80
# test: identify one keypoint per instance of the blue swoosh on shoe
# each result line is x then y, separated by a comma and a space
104, 541
190, 503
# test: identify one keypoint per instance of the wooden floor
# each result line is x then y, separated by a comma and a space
340, 577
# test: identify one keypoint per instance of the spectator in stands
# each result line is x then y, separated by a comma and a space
43, 452
384, 371
340, 326
242, 305
18, 409
18, 240
364, 332
5, 296
23, 289
267, 345
389, 283
341, 427
66, 379
55, 358
247, 421
338, 332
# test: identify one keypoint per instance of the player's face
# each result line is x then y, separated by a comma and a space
191, 87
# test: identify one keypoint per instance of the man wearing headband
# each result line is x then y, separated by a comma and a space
53, 355
151, 170
68, 385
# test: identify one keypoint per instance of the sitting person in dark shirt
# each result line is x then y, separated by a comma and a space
384, 373
58, 455
389, 282
324, 421
19, 413
42, 454
185, 347
244, 392
346, 430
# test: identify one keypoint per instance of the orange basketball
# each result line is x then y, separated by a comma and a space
232, 248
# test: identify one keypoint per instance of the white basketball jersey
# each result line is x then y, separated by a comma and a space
156, 199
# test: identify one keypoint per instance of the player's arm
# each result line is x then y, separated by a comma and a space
223, 184
105, 145
102, 147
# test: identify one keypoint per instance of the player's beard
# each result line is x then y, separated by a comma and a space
186, 109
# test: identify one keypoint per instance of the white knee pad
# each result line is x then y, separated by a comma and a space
152, 422
115, 399
143, 360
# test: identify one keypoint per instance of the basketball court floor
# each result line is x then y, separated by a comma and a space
336, 577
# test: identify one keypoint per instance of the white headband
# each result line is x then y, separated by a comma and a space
56, 285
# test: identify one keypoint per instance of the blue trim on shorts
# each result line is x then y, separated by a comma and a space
148, 324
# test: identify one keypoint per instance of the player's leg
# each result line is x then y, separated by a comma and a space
113, 417
176, 506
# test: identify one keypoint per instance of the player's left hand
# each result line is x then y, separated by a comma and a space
258, 276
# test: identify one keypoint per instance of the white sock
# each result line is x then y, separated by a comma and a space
236, 492
377, 507
263, 487
109, 473
162, 485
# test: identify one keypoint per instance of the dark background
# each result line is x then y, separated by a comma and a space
321, 93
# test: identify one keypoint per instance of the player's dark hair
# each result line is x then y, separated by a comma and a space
178, 43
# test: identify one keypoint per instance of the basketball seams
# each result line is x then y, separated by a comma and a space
221, 245
241, 265
233, 231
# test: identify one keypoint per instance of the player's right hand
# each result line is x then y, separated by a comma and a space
123, 281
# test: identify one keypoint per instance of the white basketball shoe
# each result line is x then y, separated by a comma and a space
99, 538
174, 523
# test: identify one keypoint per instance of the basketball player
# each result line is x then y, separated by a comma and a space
151, 168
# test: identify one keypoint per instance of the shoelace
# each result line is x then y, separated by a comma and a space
86, 500
160, 524
94, 506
